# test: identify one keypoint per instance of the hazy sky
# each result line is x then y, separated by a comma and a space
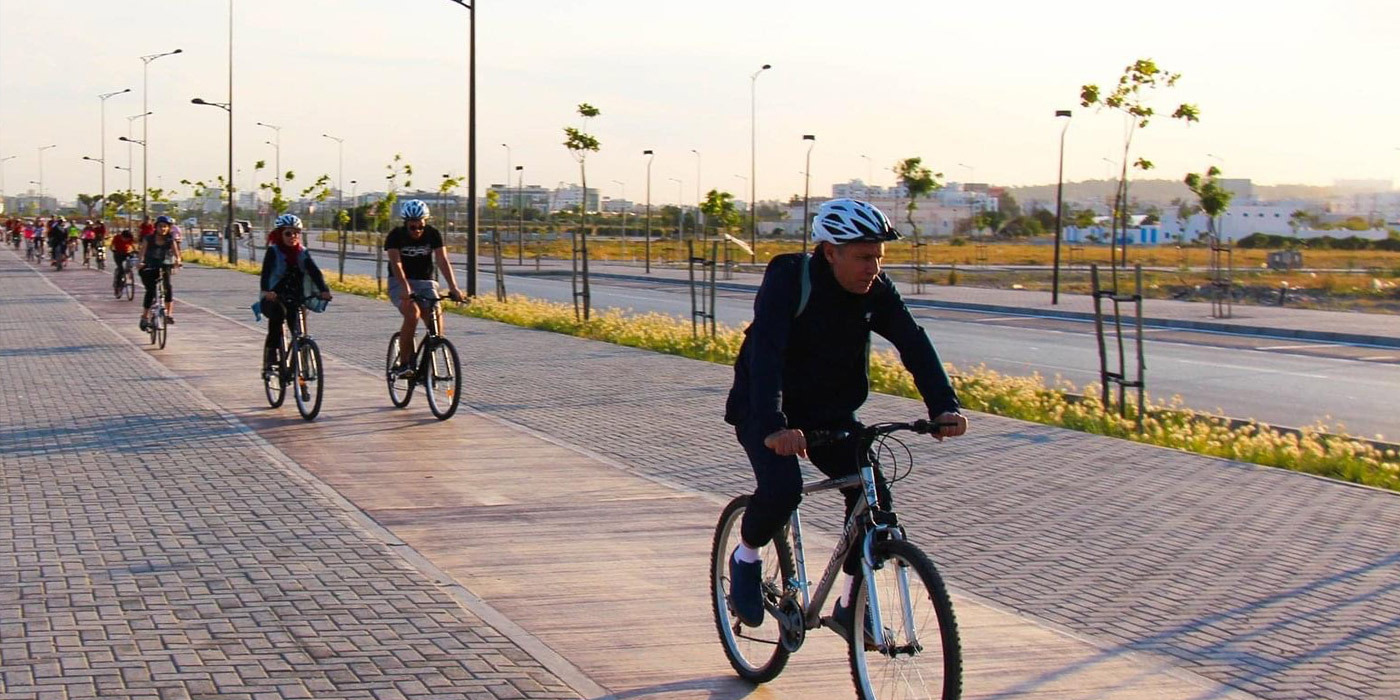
1289, 92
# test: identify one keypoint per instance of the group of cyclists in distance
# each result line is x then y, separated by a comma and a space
802, 367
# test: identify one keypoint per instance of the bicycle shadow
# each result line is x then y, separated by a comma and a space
44, 352
132, 431
1244, 667
719, 688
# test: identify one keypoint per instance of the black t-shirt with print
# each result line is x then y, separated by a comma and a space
417, 256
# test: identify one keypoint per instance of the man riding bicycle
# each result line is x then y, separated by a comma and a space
57, 236
288, 275
122, 245
803, 366
412, 249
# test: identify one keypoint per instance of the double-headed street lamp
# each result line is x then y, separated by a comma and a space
807, 189
126, 202
41, 171
650, 157
102, 148
753, 162
227, 107
1059, 203
145, 127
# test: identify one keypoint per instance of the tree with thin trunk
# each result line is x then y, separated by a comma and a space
580, 144
918, 181
1136, 88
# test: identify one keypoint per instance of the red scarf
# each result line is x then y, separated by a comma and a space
290, 253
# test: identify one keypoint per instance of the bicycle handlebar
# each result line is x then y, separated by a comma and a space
818, 438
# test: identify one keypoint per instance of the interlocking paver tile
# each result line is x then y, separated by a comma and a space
1246, 574
150, 547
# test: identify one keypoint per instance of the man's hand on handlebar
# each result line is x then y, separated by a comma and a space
787, 442
456, 295
949, 424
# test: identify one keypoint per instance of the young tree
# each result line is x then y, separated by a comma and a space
918, 181
1214, 199
89, 201
1136, 87
580, 144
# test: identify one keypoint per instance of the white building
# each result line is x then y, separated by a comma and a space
570, 197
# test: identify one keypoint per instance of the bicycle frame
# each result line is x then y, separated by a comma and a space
866, 522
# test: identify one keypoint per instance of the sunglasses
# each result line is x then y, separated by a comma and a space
416, 227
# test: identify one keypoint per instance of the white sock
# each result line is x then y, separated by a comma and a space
746, 554
845, 599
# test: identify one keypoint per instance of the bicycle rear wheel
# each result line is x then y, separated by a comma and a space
400, 388
443, 378
307, 386
921, 656
756, 653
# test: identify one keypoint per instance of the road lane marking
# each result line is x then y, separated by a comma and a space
1299, 347
1255, 369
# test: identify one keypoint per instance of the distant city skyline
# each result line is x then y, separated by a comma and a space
972, 94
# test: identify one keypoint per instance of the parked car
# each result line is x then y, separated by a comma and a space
209, 239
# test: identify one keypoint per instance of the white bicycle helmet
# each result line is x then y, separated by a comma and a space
414, 209
841, 221
288, 221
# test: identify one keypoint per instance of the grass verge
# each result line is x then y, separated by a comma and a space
1314, 450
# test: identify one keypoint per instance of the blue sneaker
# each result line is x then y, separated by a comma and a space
746, 590
843, 620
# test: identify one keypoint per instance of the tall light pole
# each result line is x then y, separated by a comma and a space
102, 148
2, 179
500, 220
129, 163
869, 171
519, 215
1059, 203
228, 187
41, 172
753, 163
623, 186
471, 149
276, 144
680, 209
807, 189
699, 215
647, 252
146, 123
339, 199
126, 203
354, 203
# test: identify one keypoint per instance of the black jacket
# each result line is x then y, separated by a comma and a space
812, 371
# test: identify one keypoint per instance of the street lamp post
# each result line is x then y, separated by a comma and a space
126, 202
623, 185
276, 144
807, 189
471, 149
339, 199
519, 215
647, 249
869, 171
1059, 203
971, 175
500, 220
41, 172
146, 123
699, 215
680, 209
2, 180
227, 107
753, 162
354, 204
102, 149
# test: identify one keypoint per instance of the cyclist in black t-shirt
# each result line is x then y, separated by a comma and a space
413, 248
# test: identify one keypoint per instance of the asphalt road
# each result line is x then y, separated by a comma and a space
1279, 381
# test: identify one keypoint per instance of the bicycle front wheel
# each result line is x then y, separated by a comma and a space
756, 653
443, 378
130, 286
160, 330
400, 387
921, 656
307, 375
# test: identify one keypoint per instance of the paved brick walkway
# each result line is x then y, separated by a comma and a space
152, 548
1280, 584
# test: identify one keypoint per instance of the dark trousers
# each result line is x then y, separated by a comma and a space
278, 313
149, 277
780, 486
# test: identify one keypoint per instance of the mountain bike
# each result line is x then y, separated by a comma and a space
158, 324
298, 364
903, 642
435, 365
125, 280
